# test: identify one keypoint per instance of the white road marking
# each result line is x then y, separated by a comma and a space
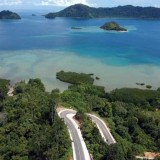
84, 147
91, 115
73, 148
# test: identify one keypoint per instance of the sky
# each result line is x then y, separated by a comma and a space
64, 3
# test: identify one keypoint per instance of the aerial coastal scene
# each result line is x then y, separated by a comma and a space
79, 80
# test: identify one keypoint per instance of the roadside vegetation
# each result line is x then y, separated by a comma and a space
97, 147
132, 114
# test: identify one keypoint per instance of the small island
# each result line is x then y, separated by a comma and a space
9, 15
113, 26
76, 28
97, 78
148, 86
140, 84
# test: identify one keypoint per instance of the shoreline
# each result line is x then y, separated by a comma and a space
66, 85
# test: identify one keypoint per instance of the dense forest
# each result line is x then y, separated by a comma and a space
128, 11
136, 127
31, 130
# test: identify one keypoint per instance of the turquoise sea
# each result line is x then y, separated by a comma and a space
37, 47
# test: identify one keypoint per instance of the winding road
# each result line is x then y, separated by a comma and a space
80, 151
103, 129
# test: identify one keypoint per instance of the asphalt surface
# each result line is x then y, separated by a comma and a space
79, 153
104, 130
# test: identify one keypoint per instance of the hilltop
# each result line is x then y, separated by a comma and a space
9, 15
128, 11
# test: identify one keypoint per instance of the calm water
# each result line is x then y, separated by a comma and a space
37, 47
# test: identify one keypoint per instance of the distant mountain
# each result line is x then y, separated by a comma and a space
9, 15
83, 11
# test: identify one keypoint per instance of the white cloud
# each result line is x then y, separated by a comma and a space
95, 3
63, 2
10, 2
31, 3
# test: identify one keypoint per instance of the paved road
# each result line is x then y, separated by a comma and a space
80, 151
105, 132
78, 148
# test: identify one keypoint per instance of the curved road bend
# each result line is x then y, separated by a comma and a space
78, 148
104, 131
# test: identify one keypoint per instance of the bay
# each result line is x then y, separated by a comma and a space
35, 47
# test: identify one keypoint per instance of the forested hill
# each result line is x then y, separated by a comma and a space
128, 11
30, 128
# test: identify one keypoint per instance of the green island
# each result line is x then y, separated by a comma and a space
9, 15
32, 130
112, 26
128, 11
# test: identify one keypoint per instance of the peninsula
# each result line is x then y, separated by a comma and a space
128, 11
9, 15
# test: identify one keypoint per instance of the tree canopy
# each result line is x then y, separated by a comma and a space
33, 130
